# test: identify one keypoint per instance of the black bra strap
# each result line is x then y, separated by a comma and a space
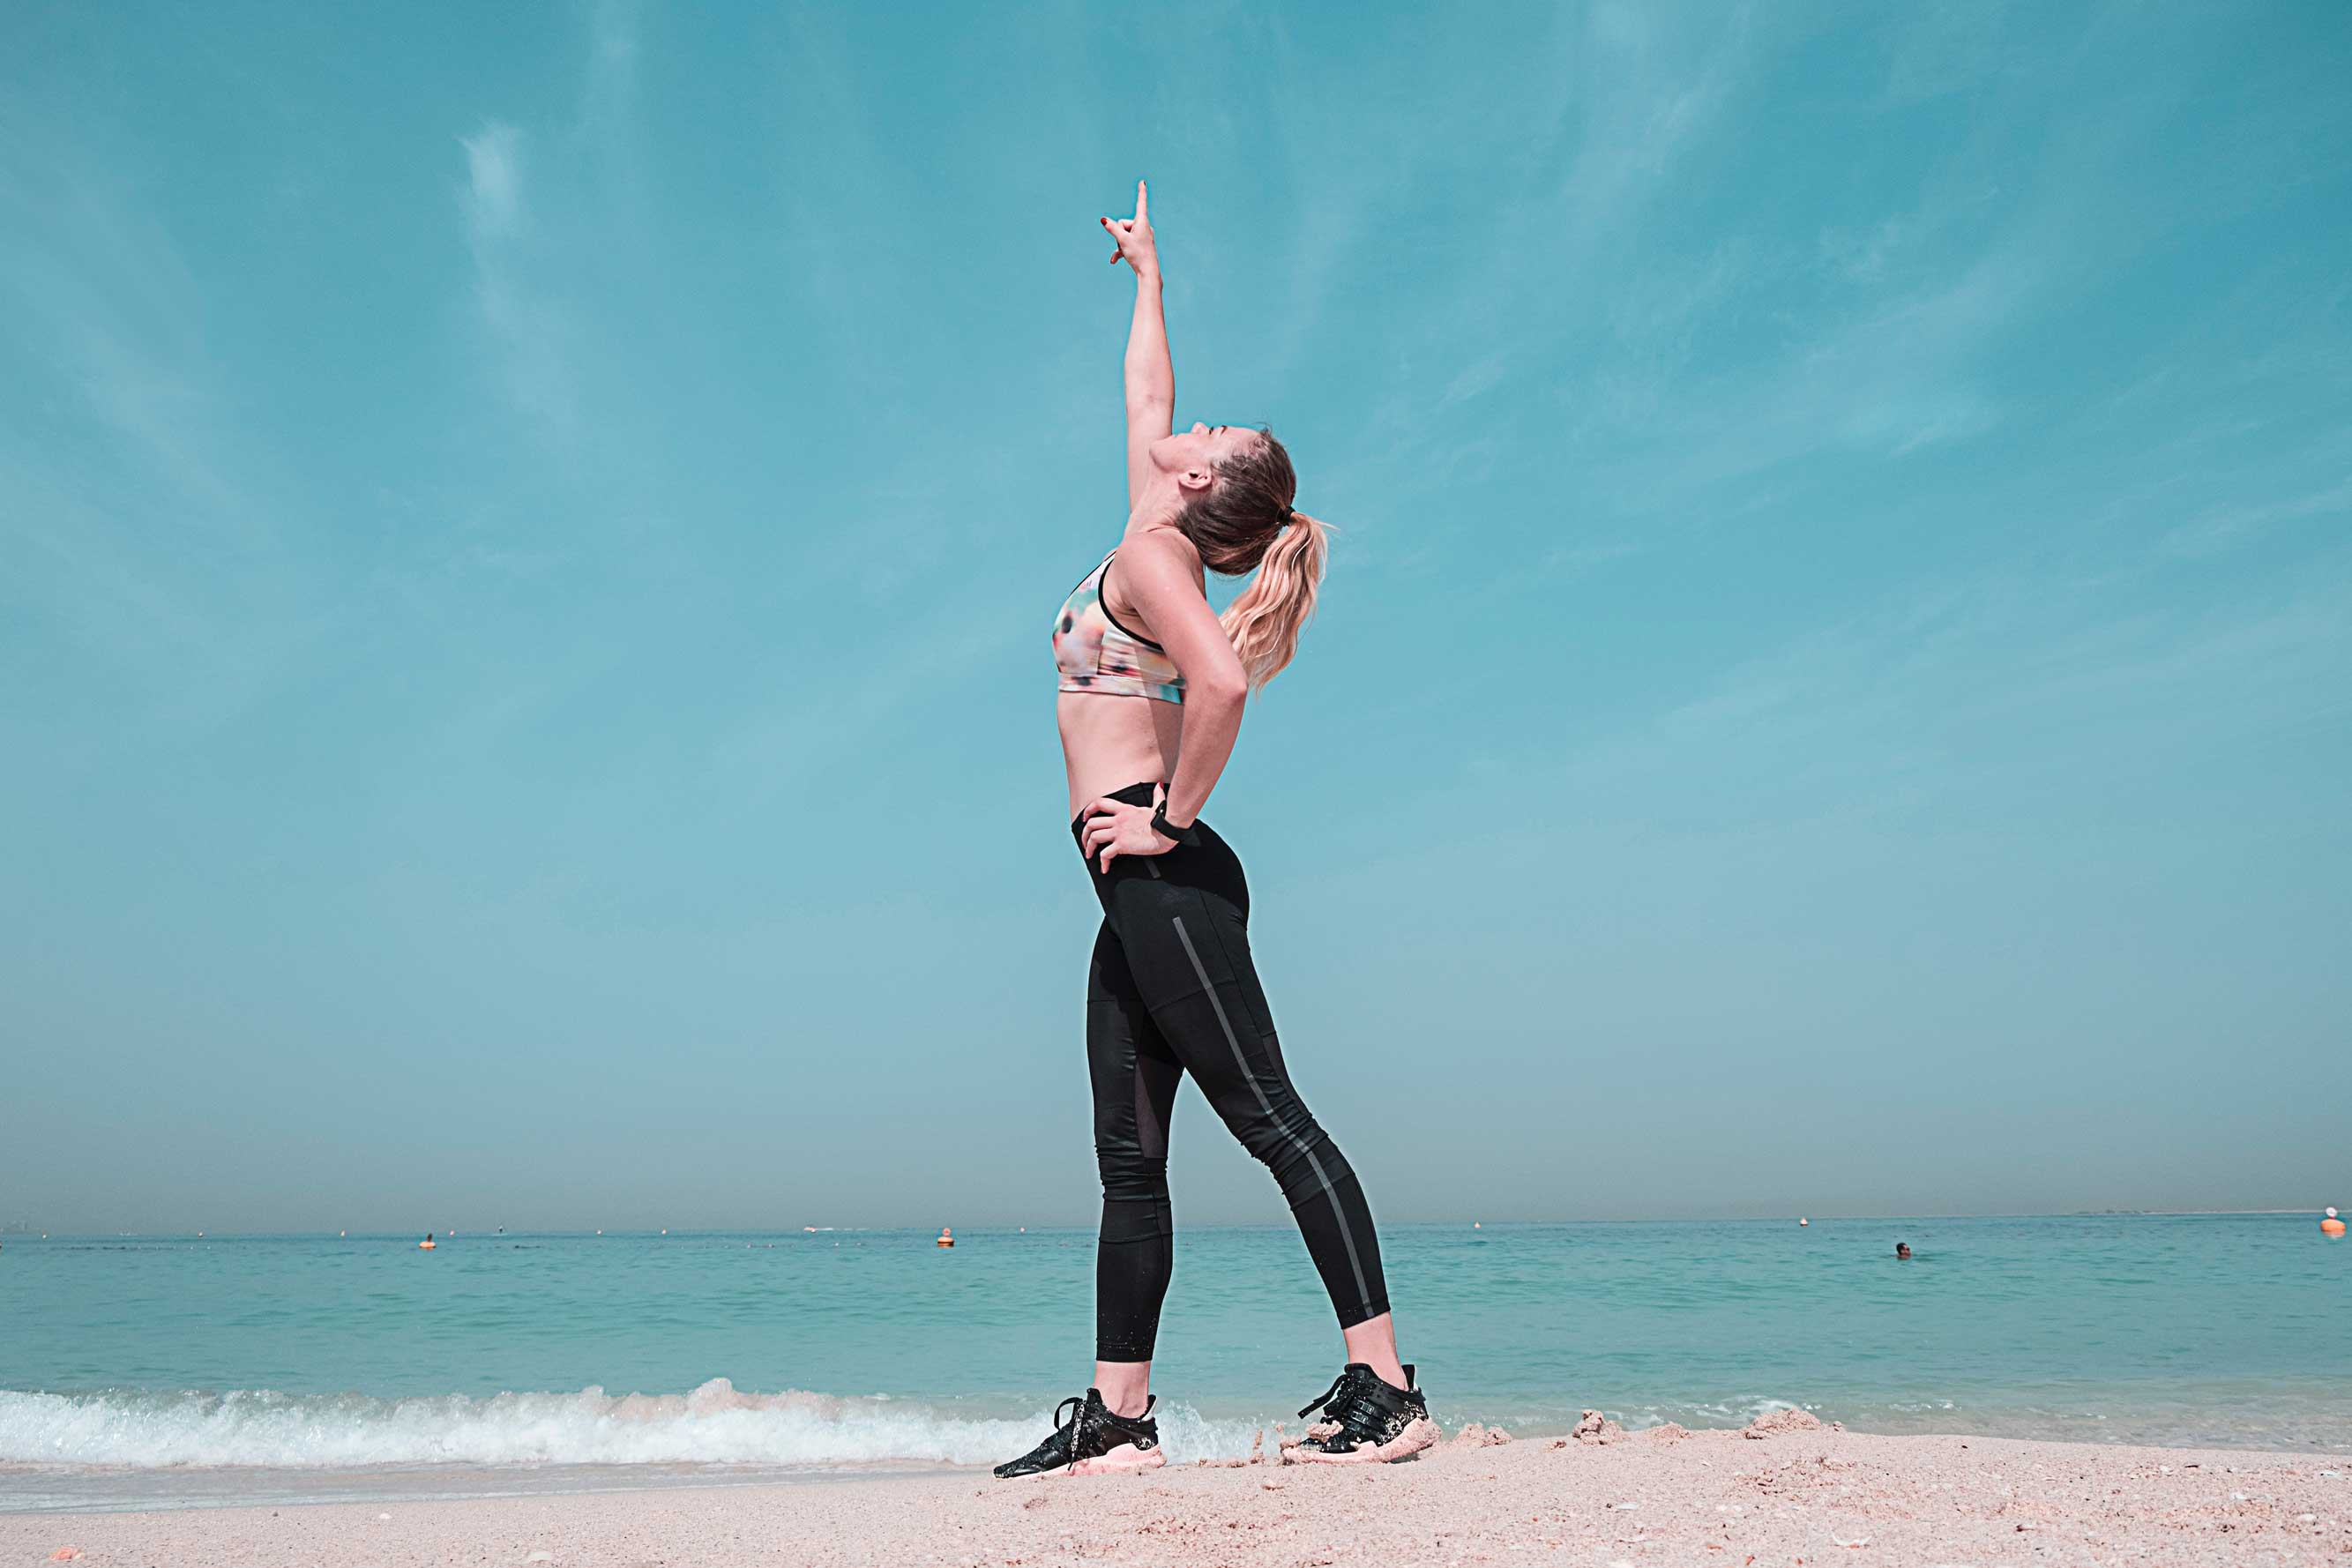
1102, 597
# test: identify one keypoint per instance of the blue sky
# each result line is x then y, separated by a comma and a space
527, 538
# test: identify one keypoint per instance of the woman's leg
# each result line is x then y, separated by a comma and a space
1185, 933
1135, 1077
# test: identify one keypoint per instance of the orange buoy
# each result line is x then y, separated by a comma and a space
946, 1236
2331, 1226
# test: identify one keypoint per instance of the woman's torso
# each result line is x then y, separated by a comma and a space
1121, 707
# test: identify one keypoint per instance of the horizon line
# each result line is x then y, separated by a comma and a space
688, 1231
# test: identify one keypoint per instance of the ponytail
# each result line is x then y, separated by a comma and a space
1265, 621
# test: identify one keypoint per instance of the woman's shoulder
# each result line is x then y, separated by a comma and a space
1148, 563
1163, 546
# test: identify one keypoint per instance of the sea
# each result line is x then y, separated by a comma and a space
177, 1371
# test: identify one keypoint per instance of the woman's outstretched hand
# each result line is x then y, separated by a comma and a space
1136, 246
1115, 828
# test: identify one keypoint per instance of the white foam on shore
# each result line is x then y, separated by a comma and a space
713, 1425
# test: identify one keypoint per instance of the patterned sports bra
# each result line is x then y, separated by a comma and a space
1095, 653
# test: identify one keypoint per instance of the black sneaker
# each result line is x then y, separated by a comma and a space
1366, 1421
1089, 1440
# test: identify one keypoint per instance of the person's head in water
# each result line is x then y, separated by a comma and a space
1234, 487
1903, 1249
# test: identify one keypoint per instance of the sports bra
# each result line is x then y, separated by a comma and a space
1095, 653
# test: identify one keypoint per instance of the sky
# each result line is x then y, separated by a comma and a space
528, 538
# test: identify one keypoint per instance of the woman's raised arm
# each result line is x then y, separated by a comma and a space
1150, 378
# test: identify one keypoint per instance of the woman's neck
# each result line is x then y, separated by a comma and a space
1158, 507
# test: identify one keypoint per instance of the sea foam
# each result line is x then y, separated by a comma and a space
715, 1424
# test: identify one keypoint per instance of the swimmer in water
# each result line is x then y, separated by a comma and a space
428, 1244
1903, 1250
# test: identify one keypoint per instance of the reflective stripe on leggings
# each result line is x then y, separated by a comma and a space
1363, 1295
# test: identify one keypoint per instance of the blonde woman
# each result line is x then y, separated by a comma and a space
1152, 687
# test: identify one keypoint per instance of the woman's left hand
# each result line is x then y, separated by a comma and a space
1115, 828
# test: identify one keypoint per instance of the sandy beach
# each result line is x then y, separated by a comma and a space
1807, 1496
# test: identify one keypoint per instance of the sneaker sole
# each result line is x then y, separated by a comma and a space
1125, 1459
1420, 1434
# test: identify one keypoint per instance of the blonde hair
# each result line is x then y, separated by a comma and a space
1244, 523
1265, 621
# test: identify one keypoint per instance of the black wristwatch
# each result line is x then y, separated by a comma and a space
1169, 830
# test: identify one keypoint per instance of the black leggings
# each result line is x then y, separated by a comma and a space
1170, 990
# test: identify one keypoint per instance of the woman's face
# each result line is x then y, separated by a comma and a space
1202, 447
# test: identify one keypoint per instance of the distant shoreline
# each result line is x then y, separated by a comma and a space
928, 1228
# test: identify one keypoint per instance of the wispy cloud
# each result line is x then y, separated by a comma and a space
1944, 48
1958, 691
2225, 528
610, 93
1646, 93
529, 331
1899, 244
139, 518
494, 183
1553, 291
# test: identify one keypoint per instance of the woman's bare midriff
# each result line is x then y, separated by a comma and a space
1110, 742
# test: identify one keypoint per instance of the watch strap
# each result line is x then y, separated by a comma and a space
1169, 830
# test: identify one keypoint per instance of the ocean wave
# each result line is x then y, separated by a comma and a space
715, 1424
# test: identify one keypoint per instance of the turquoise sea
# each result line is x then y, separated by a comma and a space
153, 1370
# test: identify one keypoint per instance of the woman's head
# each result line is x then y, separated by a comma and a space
1237, 487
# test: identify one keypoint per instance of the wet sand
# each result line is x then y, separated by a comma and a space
1811, 1495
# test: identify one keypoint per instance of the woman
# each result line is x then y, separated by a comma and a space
1152, 685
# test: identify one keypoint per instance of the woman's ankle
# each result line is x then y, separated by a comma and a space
1125, 1386
1373, 1342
